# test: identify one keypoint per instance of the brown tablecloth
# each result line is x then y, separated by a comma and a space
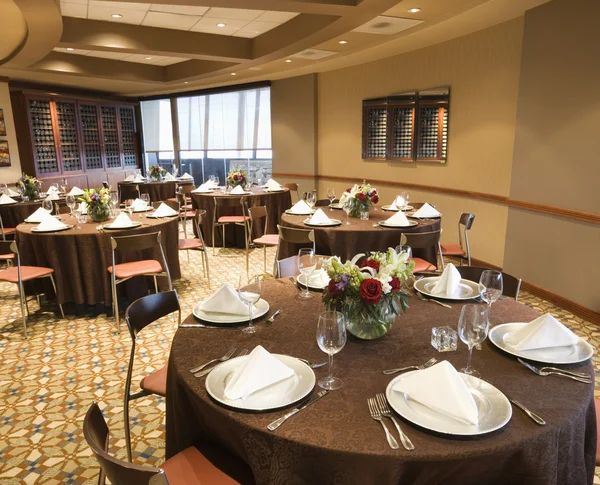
359, 237
156, 190
336, 441
80, 257
275, 202
14, 214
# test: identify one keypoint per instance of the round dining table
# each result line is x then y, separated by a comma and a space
361, 236
14, 214
156, 190
335, 440
80, 257
275, 201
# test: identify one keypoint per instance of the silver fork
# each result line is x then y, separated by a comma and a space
429, 363
272, 317
220, 359
432, 300
565, 371
560, 374
376, 415
208, 371
386, 412
310, 364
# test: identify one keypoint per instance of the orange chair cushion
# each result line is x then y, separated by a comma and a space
190, 244
27, 273
7, 256
422, 265
9, 230
172, 199
190, 467
267, 240
452, 249
231, 219
136, 268
156, 383
187, 214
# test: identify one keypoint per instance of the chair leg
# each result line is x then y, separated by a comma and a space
207, 268
265, 258
115, 303
23, 305
155, 285
224, 236
213, 238
56, 293
188, 256
127, 429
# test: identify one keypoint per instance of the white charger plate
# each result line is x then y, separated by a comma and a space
333, 222
411, 214
302, 280
246, 192
68, 226
37, 222
10, 203
112, 227
275, 396
299, 214
262, 307
336, 205
152, 216
147, 209
389, 208
570, 354
493, 407
386, 224
275, 190
467, 290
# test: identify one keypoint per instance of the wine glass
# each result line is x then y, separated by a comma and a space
3, 189
249, 291
347, 209
217, 180
331, 197
47, 204
70, 200
129, 206
146, 199
307, 263
331, 338
311, 198
473, 328
400, 201
490, 286
406, 199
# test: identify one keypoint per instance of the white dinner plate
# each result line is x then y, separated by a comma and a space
312, 284
10, 203
275, 190
331, 223
112, 227
389, 208
262, 307
336, 205
246, 192
68, 226
386, 224
570, 354
493, 407
37, 222
147, 209
466, 290
275, 396
411, 214
299, 214
152, 216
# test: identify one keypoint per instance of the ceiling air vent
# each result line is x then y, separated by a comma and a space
313, 54
387, 25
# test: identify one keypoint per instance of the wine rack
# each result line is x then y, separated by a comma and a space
111, 137
127, 118
45, 155
88, 114
68, 136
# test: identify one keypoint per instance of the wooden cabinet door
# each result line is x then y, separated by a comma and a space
68, 137
128, 136
43, 136
89, 117
110, 136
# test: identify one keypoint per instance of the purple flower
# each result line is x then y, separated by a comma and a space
343, 283
95, 197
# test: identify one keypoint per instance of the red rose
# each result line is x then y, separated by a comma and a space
334, 290
348, 190
371, 264
370, 291
375, 199
395, 284
361, 196
235, 177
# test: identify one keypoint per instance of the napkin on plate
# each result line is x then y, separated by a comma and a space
39, 215
319, 217
139, 179
164, 211
169, 177
52, 189
441, 388
50, 224
448, 282
318, 278
300, 207
83, 207
203, 188
393, 206
426, 211
139, 205
210, 183
52, 196
273, 185
541, 333
186, 176
129, 178
76, 191
122, 220
237, 190
5, 199
11, 193
398, 219
259, 370
225, 300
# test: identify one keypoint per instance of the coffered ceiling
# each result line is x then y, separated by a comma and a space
134, 48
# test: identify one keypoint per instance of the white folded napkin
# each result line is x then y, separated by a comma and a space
139, 205
129, 178
52, 189
319, 217
76, 191
426, 211
50, 224
169, 177
393, 206
122, 220
39, 215
5, 199
237, 190
259, 370
448, 282
399, 202
225, 300
203, 188
139, 179
164, 211
441, 388
301, 207
210, 183
52, 196
11, 193
318, 278
273, 185
541, 333
186, 176
83, 207
398, 219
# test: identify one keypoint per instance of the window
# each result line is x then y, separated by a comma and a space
158, 133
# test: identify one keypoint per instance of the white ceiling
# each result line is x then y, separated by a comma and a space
238, 22
140, 58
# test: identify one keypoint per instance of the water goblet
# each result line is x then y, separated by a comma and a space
3, 189
347, 209
129, 206
331, 338
307, 263
473, 328
311, 198
490, 287
146, 199
249, 291
400, 202
331, 197
217, 180
406, 199
47, 204
70, 200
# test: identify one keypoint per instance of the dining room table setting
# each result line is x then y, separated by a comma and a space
343, 375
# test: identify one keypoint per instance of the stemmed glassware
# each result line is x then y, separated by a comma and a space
490, 287
70, 200
3, 189
331, 197
146, 199
347, 209
473, 328
331, 338
406, 199
47, 204
307, 263
311, 198
129, 206
249, 291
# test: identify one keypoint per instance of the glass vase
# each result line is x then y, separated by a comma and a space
368, 322
31, 194
358, 207
99, 212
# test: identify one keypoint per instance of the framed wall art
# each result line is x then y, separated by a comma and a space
2, 123
4, 154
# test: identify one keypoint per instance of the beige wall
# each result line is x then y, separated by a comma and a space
9, 175
557, 151
482, 70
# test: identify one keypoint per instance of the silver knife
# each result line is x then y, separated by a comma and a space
278, 422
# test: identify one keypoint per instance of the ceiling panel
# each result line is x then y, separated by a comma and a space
181, 9
170, 20
278, 17
142, 7
108, 54
169, 60
233, 13
73, 10
209, 25
134, 17
257, 28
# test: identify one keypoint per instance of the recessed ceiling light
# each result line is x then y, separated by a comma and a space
185, 82
288, 60
221, 24
414, 10
148, 58
233, 74
70, 49
116, 16
343, 42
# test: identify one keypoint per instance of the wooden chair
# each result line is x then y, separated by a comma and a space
597, 406
6, 231
189, 467
222, 221
423, 240
293, 188
197, 243
460, 250
61, 209
257, 213
185, 210
294, 236
20, 274
510, 284
148, 267
138, 316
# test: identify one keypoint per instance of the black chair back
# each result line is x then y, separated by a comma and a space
510, 284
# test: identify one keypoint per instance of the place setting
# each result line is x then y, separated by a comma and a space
7, 200
273, 186
121, 222
312, 275
397, 220
425, 212
448, 286
300, 208
163, 211
320, 219
400, 203
50, 224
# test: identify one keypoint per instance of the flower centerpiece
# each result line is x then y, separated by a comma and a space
30, 186
157, 172
237, 177
98, 203
369, 295
359, 199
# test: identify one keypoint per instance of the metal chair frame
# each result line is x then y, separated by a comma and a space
294, 236
2, 230
258, 213
230, 202
465, 222
197, 221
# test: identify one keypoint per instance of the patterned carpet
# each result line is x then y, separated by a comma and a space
48, 381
